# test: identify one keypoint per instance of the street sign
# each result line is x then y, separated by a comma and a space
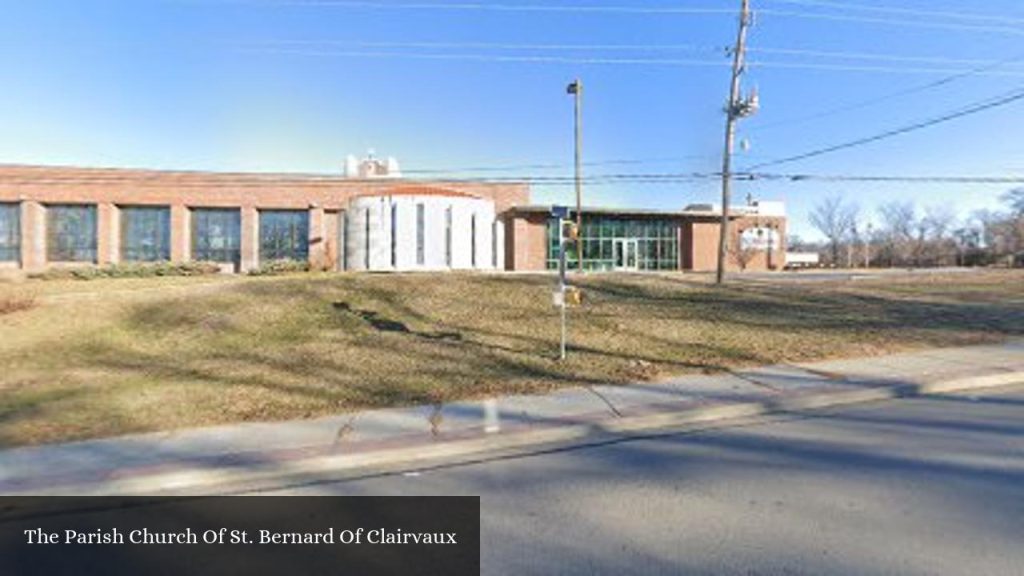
558, 298
560, 212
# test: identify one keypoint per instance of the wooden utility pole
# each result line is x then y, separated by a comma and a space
737, 108
576, 89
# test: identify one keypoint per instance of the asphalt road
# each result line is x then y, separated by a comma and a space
914, 486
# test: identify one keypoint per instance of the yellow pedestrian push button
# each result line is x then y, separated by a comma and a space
573, 296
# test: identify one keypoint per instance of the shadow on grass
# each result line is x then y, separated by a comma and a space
320, 346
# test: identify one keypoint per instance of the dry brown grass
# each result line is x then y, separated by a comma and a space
12, 304
134, 356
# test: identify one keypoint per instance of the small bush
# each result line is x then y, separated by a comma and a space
131, 270
280, 267
12, 304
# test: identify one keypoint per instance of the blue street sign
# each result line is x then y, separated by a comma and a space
560, 212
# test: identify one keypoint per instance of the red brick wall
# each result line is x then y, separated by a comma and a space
36, 186
700, 246
526, 242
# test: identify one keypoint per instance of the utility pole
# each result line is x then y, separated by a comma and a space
737, 108
576, 89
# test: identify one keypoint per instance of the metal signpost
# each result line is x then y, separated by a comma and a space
562, 214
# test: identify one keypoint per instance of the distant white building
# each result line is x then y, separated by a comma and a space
772, 208
802, 260
371, 168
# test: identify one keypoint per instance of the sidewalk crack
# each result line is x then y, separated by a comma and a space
750, 379
605, 400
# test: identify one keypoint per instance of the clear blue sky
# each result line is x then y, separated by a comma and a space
290, 86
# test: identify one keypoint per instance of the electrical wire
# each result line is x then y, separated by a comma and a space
483, 7
1004, 100
890, 96
723, 50
621, 9
208, 179
904, 11
671, 62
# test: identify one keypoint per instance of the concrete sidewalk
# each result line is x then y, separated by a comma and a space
210, 459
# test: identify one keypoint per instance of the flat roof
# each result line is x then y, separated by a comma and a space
640, 212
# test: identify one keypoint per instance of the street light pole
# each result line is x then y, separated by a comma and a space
737, 108
576, 89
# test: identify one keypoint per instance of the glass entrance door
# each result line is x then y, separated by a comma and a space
625, 254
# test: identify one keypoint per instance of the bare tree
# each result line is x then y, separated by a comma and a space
835, 219
743, 255
1015, 198
896, 232
934, 246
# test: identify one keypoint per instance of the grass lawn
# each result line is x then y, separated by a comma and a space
109, 357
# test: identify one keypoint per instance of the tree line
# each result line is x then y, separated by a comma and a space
904, 235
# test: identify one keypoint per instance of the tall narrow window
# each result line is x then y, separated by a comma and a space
145, 233
448, 237
394, 235
420, 234
71, 233
343, 238
217, 234
366, 241
284, 235
472, 240
494, 244
10, 232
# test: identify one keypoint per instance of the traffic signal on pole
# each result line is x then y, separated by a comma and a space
570, 231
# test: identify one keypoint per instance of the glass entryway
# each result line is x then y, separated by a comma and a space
656, 248
625, 254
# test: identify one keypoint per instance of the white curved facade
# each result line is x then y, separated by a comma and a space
422, 232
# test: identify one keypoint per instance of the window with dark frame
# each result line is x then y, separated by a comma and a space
217, 235
284, 235
145, 233
366, 240
494, 244
394, 235
10, 232
472, 240
71, 233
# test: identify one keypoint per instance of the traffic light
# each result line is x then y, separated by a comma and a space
570, 231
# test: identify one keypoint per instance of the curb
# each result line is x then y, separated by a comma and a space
337, 467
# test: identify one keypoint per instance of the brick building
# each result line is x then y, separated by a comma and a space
59, 216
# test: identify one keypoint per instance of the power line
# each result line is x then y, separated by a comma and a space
904, 11
196, 179
499, 45
892, 95
552, 166
555, 59
537, 59
482, 7
973, 109
723, 50
620, 9
895, 22
875, 56
884, 178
